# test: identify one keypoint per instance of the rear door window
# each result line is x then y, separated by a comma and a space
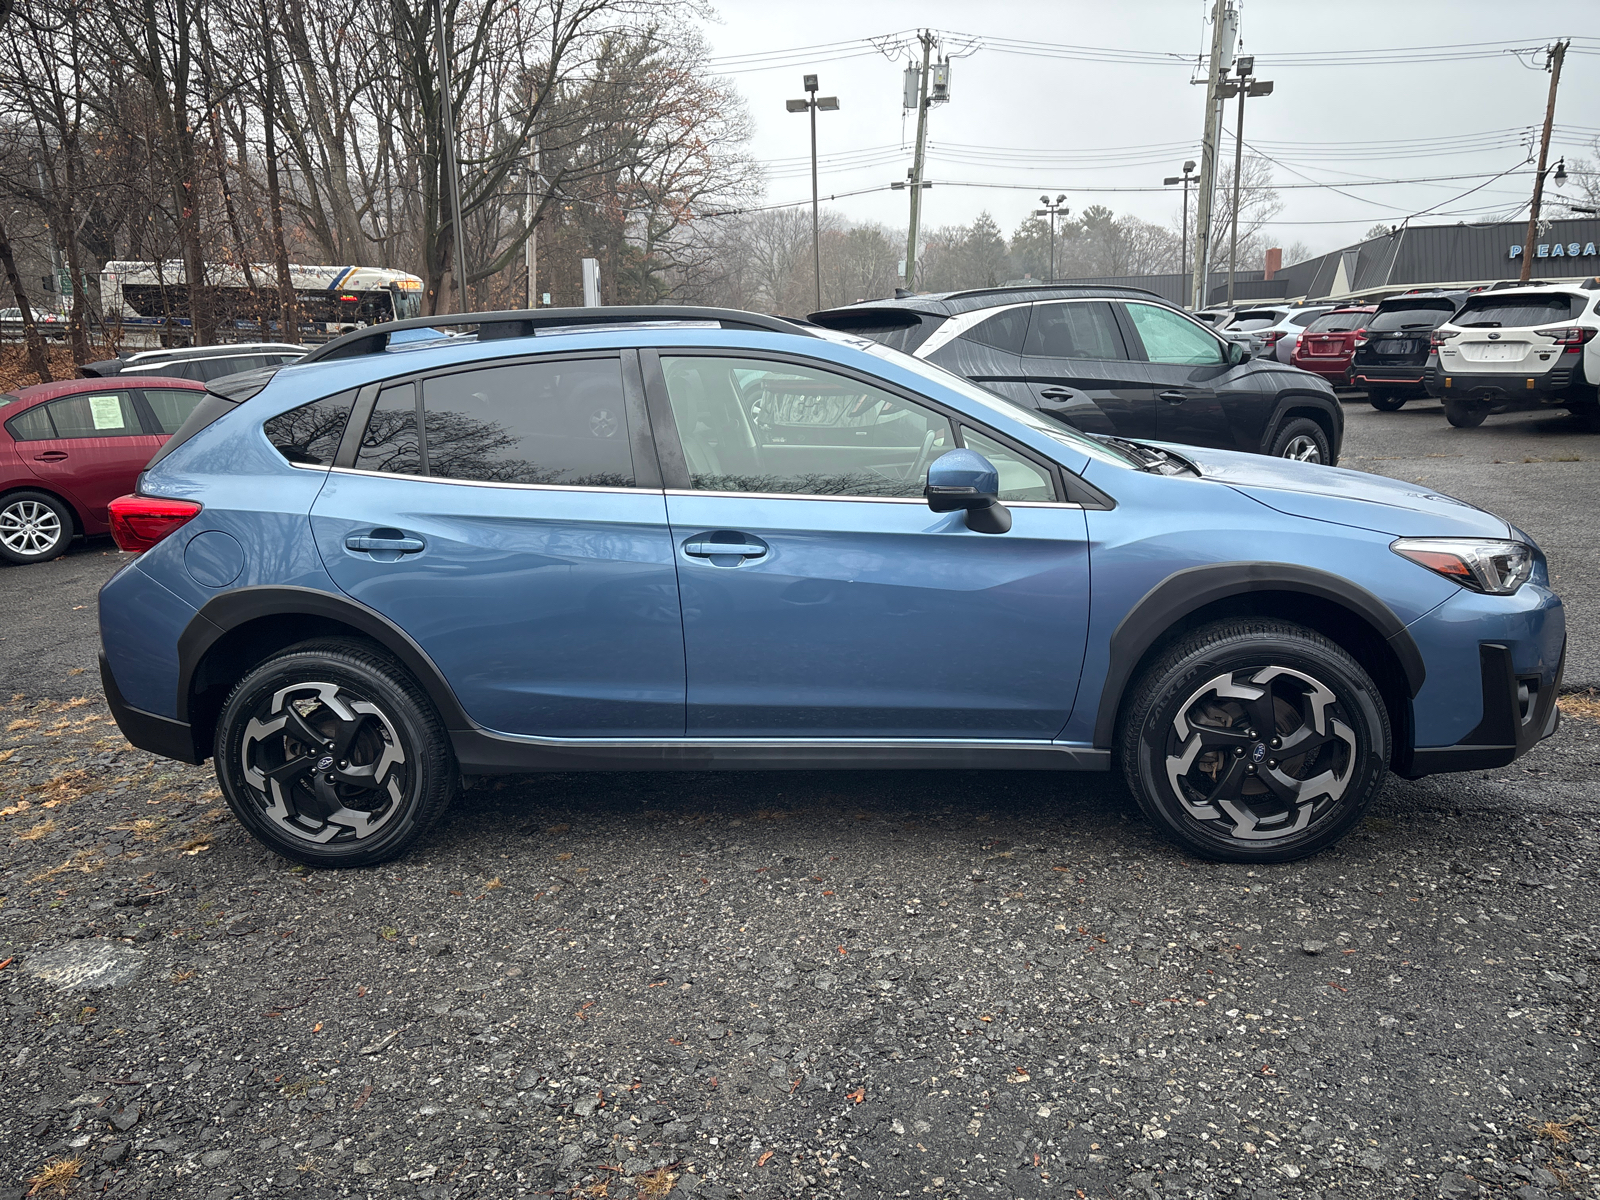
1514, 312
94, 415
1079, 329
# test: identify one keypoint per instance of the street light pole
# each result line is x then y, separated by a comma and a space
1186, 179
453, 178
1050, 209
1245, 85
810, 104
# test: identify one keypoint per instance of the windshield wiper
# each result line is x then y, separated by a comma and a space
1157, 462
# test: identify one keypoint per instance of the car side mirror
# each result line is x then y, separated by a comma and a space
1237, 354
965, 479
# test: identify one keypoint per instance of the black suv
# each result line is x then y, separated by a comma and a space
1119, 361
1391, 362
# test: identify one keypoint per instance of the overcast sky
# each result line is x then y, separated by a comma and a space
1010, 112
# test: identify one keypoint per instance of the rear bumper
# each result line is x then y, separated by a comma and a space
1552, 386
1393, 378
147, 731
1330, 366
1519, 710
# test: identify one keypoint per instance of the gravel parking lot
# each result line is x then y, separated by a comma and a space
890, 984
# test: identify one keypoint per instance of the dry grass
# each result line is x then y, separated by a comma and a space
46, 826
656, 1183
56, 1177
15, 371
182, 976
85, 861
22, 723
1583, 705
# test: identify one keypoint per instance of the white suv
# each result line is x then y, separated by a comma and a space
1278, 326
1519, 346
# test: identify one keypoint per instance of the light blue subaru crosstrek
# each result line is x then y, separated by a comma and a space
688, 539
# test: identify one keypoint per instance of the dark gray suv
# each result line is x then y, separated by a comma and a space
1119, 361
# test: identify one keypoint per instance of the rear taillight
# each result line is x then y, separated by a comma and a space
1572, 338
1440, 336
1271, 338
139, 522
1360, 341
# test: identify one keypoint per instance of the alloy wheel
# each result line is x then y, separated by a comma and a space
30, 527
1259, 754
325, 765
1303, 448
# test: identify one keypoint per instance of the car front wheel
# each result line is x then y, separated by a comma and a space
331, 755
34, 527
1302, 439
1254, 740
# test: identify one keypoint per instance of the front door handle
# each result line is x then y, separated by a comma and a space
1173, 397
725, 549
50, 456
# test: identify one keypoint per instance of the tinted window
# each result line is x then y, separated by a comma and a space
1417, 315
1170, 337
1303, 319
1257, 318
1020, 478
553, 422
1338, 322
1086, 329
99, 414
1003, 331
309, 434
31, 426
1516, 311
172, 406
753, 426
390, 441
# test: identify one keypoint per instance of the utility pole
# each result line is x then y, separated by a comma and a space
530, 251
1224, 25
1244, 85
926, 37
448, 119
811, 104
1557, 53
1186, 179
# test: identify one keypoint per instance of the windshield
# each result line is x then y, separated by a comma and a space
1424, 314
1060, 434
1517, 311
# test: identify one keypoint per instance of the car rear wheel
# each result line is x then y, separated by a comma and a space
331, 755
1254, 740
1385, 401
1302, 439
34, 527
1465, 414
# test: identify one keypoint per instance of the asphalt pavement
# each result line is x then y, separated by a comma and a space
804, 984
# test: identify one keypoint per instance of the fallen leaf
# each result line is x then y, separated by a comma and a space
858, 1095
317, 1028
762, 1161
564, 856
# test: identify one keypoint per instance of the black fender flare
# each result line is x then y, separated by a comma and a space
1191, 589
1289, 401
222, 614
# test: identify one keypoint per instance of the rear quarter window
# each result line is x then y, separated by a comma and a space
309, 435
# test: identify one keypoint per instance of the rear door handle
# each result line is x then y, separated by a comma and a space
385, 545
50, 456
733, 550
1173, 397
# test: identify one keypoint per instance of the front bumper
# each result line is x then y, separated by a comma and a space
1499, 387
147, 731
1519, 710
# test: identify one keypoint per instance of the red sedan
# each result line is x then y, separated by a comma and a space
1328, 343
68, 449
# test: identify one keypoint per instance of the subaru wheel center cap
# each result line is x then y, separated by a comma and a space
1258, 752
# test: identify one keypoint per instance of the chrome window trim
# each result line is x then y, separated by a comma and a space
488, 483
858, 499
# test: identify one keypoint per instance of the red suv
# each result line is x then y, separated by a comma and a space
1330, 341
68, 449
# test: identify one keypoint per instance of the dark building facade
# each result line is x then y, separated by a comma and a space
1414, 256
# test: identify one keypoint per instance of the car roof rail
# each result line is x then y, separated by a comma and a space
528, 322
1516, 283
1591, 284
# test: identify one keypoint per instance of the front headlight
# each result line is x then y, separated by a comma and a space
1489, 565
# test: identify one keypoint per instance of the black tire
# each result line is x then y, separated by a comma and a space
34, 527
1465, 414
388, 729
1587, 415
1385, 401
1295, 807
1303, 439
